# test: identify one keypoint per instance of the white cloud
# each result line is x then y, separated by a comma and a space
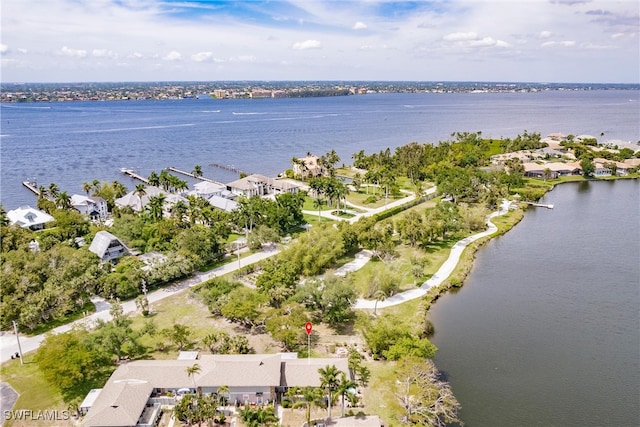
564, 43
172, 56
3, 48
135, 55
307, 44
545, 34
201, 56
359, 26
461, 36
77, 53
103, 53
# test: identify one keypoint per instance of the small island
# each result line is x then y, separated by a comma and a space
192, 303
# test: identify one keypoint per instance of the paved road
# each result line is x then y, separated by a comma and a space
9, 344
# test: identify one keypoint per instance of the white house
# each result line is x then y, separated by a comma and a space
28, 217
94, 207
137, 202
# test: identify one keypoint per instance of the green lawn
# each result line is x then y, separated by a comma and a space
34, 391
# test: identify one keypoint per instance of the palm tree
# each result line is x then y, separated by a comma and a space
119, 189
317, 203
43, 192
154, 179
191, 372
343, 388
140, 191
63, 201
197, 171
53, 190
155, 206
379, 295
223, 394
329, 380
87, 187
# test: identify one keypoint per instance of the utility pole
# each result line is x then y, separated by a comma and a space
15, 328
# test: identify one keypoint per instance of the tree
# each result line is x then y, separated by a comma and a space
71, 366
329, 380
197, 171
155, 207
378, 295
179, 334
153, 179
588, 168
191, 373
344, 386
53, 190
258, 417
63, 201
87, 187
425, 398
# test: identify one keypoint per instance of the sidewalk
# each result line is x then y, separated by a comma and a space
443, 272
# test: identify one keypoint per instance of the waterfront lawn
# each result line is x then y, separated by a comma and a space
378, 395
34, 391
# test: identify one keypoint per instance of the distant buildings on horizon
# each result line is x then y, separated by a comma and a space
117, 91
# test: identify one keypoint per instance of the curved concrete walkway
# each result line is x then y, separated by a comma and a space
443, 272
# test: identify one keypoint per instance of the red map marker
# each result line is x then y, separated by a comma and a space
308, 327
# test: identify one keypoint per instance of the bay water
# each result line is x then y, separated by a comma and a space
544, 332
546, 329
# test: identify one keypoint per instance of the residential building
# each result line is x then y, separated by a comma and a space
260, 185
94, 207
138, 202
107, 246
28, 217
133, 394
309, 166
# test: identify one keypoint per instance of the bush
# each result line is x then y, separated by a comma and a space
370, 199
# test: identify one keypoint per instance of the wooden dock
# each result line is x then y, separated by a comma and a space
540, 205
33, 186
230, 168
201, 178
134, 175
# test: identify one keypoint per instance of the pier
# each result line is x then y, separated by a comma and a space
134, 175
540, 205
32, 185
229, 168
201, 178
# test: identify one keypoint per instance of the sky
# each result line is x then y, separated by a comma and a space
576, 41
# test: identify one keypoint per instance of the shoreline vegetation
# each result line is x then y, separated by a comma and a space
258, 307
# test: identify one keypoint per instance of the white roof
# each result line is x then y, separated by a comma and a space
223, 203
100, 243
26, 216
206, 187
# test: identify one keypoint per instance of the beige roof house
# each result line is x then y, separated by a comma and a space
260, 185
128, 397
308, 166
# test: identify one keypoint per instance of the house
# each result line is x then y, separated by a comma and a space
133, 394
207, 189
28, 217
94, 207
260, 185
107, 246
223, 203
550, 170
137, 202
309, 166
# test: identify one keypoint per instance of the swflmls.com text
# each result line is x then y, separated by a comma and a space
36, 415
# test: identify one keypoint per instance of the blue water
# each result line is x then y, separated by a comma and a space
70, 143
546, 329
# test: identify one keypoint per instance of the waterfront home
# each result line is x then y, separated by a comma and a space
207, 189
223, 203
134, 393
137, 202
28, 217
107, 247
93, 207
550, 170
309, 166
260, 185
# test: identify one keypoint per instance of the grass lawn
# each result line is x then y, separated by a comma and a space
378, 396
34, 391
